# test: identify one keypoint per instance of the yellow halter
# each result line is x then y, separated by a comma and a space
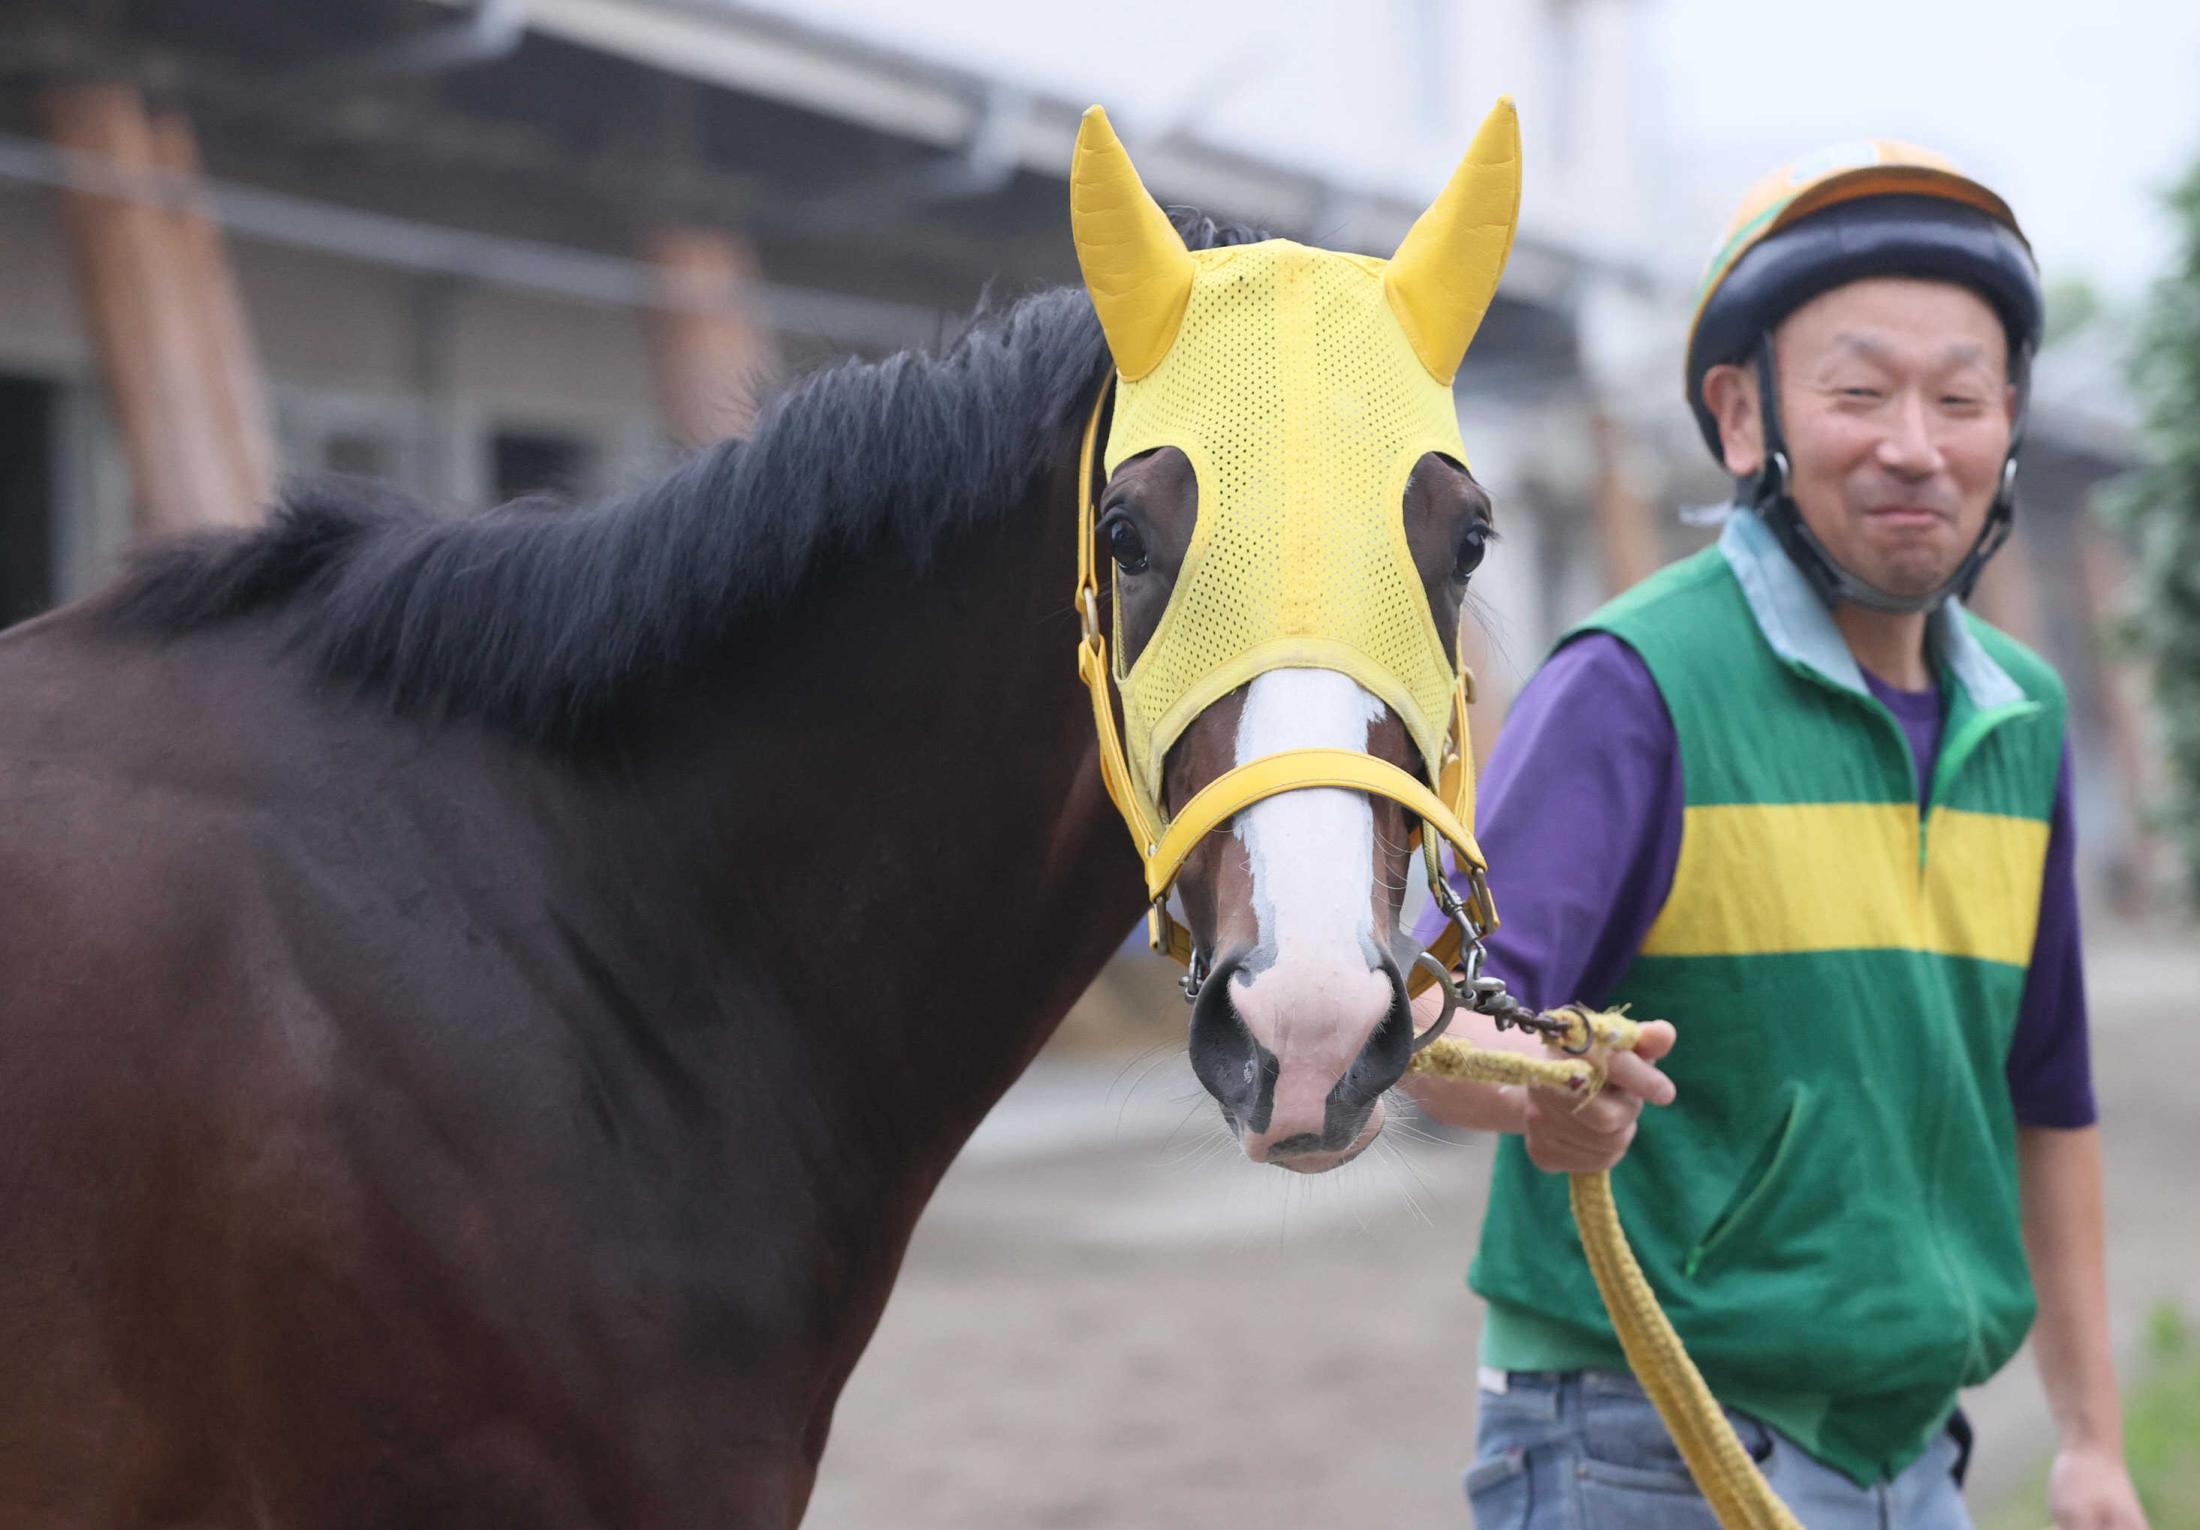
1303, 385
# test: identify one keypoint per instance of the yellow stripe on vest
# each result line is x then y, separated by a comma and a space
1982, 884
1757, 879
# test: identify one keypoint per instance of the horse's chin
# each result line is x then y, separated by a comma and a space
1322, 1163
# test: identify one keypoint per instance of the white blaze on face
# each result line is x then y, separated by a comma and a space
1312, 991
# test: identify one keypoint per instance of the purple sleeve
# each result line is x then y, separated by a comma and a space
2050, 1062
1579, 813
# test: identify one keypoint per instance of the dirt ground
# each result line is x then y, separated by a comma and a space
1109, 1318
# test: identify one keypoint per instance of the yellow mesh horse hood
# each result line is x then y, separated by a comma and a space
1303, 385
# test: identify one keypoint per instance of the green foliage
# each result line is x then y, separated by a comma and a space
2159, 507
2162, 1424
2161, 1434
2072, 305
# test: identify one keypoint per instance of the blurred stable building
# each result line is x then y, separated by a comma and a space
484, 248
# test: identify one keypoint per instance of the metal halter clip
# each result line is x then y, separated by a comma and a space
1471, 990
1450, 991
1195, 976
1488, 997
1473, 920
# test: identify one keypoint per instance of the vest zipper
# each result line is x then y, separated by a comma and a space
1955, 751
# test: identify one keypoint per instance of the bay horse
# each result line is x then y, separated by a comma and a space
484, 1001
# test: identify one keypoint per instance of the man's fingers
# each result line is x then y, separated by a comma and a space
1556, 1149
1606, 1114
1580, 1120
1568, 1134
1655, 1039
1640, 1078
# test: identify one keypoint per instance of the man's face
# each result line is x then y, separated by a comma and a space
1896, 404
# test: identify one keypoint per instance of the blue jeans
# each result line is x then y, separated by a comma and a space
1584, 1450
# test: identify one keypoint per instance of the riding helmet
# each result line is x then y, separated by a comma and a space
1877, 208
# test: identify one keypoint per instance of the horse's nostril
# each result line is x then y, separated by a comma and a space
1390, 1048
1227, 1058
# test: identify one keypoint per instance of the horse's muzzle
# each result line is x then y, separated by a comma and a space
1302, 1095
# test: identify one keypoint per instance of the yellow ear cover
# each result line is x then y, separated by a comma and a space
1445, 272
1136, 268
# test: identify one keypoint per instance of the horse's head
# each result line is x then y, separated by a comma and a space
1292, 526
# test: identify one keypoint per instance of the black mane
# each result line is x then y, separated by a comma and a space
537, 620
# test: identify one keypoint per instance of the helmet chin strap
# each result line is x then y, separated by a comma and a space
1768, 493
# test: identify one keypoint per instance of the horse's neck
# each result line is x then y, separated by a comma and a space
897, 805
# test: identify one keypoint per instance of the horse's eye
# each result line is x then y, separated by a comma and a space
1471, 549
1126, 546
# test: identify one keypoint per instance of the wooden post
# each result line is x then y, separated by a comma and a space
225, 337
2102, 573
1627, 536
138, 296
711, 353
2006, 593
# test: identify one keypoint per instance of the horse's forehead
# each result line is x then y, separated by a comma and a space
1285, 353
1303, 407
1283, 260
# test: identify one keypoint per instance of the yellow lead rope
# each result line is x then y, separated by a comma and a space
1722, 1469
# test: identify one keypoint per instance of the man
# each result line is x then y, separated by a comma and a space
1789, 796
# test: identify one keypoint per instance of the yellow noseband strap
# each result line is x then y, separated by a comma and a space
1297, 770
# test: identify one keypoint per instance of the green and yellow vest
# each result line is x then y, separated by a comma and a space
1829, 1210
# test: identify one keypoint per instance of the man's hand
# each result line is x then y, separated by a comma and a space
2089, 1489
1566, 1135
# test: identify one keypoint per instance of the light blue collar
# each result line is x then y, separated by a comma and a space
1796, 623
